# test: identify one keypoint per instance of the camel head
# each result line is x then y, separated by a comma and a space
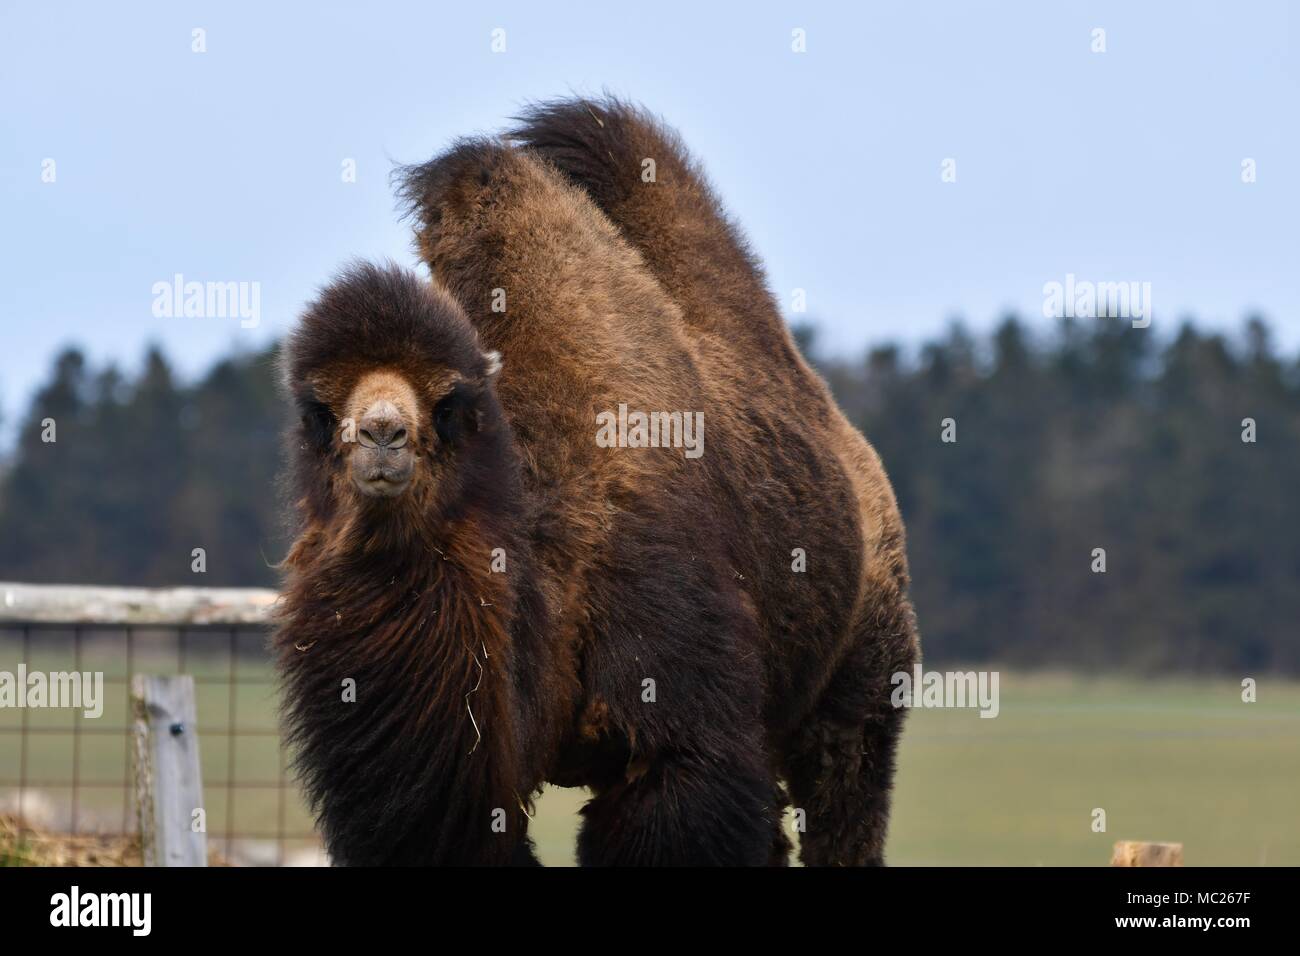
397, 418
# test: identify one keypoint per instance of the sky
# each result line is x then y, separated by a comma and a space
227, 165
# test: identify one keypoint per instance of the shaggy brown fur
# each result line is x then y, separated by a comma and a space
838, 760
396, 593
627, 566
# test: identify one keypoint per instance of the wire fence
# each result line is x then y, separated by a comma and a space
64, 770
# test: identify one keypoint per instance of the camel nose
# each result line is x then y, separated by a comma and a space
382, 426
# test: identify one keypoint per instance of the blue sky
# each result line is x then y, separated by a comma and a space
225, 165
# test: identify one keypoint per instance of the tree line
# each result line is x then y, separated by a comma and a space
1096, 496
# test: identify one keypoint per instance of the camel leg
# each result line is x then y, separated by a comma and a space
685, 809
840, 764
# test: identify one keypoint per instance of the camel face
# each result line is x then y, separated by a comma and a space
396, 407
386, 432
396, 437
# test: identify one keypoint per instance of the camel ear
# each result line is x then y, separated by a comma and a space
493, 360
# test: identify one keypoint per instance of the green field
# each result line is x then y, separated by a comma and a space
1183, 760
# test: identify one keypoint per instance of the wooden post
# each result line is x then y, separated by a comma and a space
168, 782
1137, 853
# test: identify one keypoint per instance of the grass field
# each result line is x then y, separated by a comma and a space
1181, 760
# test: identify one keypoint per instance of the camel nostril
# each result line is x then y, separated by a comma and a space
382, 426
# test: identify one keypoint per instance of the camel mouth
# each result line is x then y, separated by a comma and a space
381, 487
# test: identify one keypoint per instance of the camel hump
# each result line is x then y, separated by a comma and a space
452, 186
603, 146
640, 174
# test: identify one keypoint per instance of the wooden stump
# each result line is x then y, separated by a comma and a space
1138, 853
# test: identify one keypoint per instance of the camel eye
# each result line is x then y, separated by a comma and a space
317, 423
445, 419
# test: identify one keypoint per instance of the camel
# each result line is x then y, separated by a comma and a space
701, 641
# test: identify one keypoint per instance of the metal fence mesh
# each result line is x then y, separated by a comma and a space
72, 773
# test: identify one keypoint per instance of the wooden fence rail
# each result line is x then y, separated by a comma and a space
76, 604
